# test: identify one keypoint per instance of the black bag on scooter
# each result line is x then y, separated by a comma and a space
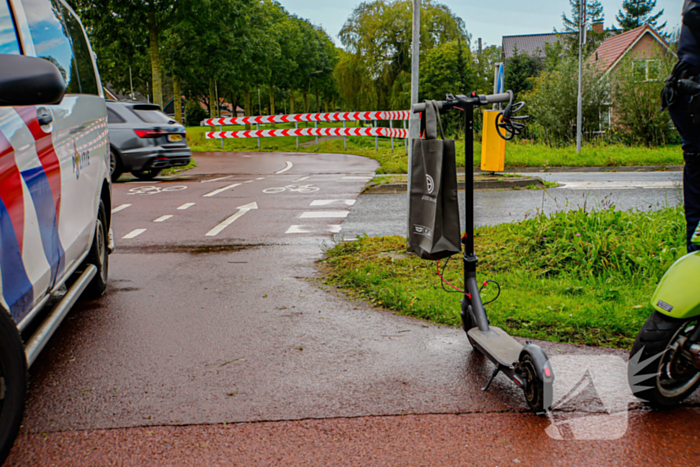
434, 209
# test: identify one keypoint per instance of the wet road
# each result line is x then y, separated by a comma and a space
216, 344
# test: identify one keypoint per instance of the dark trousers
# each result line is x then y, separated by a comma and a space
690, 133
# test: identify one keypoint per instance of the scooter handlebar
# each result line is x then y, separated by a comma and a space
505, 97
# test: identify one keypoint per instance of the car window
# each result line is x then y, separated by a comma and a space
114, 117
151, 115
86, 72
8, 36
51, 40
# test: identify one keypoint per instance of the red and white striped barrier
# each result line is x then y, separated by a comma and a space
325, 117
385, 132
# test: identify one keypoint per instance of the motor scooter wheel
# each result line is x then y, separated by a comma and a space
660, 372
535, 387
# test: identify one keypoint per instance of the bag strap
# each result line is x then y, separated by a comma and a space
430, 121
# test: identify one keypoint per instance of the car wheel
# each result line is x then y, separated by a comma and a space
115, 166
99, 255
149, 174
13, 383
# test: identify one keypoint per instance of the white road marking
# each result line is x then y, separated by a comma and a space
134, 233
326, 202
137, 182
619, 185
305, 229
303, 178
120, 208
325, 214
221, 190
352, 177
186, 206
261, 178
298, 229
241, 211
289, 166
217, 179
163, 218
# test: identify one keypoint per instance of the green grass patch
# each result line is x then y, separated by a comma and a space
580, 277
521, 154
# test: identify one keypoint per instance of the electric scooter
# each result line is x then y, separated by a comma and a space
528, 365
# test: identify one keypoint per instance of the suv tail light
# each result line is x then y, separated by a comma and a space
150, 133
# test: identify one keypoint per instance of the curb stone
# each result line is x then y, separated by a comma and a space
396, 188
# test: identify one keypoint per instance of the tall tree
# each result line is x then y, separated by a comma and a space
594, 14
636, 13
520, 71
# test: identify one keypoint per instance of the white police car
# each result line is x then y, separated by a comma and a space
55, 190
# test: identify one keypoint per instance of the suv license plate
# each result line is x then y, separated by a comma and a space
174, 138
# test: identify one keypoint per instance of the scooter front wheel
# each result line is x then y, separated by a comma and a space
661, 372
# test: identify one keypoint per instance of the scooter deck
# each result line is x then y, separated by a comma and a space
498, 345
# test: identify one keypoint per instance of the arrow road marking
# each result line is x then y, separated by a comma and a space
221, 190
289, 166
241, 211
134, 233
120, 208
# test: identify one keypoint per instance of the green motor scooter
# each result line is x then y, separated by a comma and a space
664, 366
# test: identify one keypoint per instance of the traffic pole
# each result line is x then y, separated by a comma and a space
414, 122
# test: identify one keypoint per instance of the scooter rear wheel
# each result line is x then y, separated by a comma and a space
660, 372
534, 389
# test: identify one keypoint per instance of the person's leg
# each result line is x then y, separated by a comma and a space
690, 133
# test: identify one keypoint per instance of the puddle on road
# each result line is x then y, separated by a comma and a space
194, 250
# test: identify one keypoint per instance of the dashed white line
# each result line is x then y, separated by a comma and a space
325, 214
163, 218
134, 233
298, 229
334, 228
289, 166
303, 178
120, 208
326, 202
217, 179
186, 206
221, 190
352, 177
261, 178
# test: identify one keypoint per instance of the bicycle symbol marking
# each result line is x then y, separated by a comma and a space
292, 188
153, 190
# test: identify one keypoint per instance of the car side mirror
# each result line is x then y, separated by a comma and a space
29, 81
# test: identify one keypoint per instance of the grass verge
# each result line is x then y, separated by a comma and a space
522, 154
583, 277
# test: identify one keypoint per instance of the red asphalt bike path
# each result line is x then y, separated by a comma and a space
227, 349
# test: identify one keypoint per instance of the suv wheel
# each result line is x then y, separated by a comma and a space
13, 383
149, 174
99, 255
115, 165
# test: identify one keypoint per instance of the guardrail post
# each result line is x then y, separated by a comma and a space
296, 127
405, 142
316, 126
257, 128
345, 138
376, 138
391, 127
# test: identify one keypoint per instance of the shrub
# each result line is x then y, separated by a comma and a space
194, 113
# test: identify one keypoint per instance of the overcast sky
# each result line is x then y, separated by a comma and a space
489, 20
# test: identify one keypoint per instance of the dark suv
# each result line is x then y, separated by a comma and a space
144, 140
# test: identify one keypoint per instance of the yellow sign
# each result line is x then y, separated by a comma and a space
493, 147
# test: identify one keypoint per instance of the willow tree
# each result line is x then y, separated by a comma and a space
377, 37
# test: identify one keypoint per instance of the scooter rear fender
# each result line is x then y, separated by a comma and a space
678, 292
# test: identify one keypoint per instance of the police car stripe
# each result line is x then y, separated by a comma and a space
17, 289
46, 152
11, 188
